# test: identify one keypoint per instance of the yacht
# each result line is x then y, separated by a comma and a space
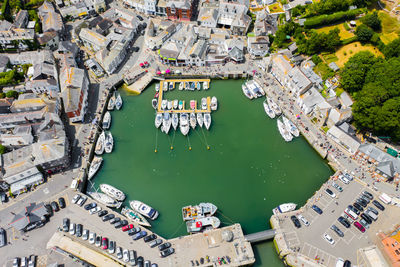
154, 103
207, 120
107, 120
169, 105
198, 86
291, 126
158, 120
180, 105
166, 123
104, 199
259, 89
205, 85
164, 104
180, 86
111, 102
175, 104
268, 110
112, 192
274, 106
94, 166
198, 211
165, 86
157, 87
246, 92
99, 149
108, 143
204, 103
214, 103
175, 120
186, 87
135, 216
286, 207
144, 209
171, 86
201, 224
192, 86
283, 131
193, 120
118, 101
200, 119
192, 104
184, 123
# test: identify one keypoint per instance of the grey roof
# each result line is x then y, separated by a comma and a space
5, 25
333, 66
3, 62
386, 168
181, 4
72, 81
346, 99
46, 37
67, 46
378, 155
347, 141
347, 128
199, 49
299, 80
43, 70
21, 19
29, 215
293, 47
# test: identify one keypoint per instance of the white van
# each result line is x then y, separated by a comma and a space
339, 262
385, 198
351, 213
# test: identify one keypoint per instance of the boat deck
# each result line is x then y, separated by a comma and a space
161, 92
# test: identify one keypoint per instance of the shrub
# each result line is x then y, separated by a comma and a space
329, 19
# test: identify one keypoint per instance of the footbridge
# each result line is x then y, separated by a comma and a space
261, 236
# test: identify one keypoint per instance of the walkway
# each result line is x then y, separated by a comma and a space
261, 236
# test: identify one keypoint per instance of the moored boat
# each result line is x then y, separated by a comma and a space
99, 149
274, 106
164, 104
175, 104
135, 216
200, 119
165, 86
180, 105
144, 209
118, 101
291, 127
111, 102
175, 120
107, 120
198, 86
184, 123
171, 86
166, 123
112, 192
286, 207
201, 224
259, 88
205, 85
104, 199
268, 110
94, 166
193, 120
204, 103
158, 120
192, 104
198, 211
214, 103
246, 92
154, 103
180, 86
108, 143
169, 105
286, 135
207, 120
157, 87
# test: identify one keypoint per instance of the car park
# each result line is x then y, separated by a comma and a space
304, 220
330, 193
85, 235
108, 217
368, 195
65, 224
164, 246
61, 202
115, 220
75, 199
329, 239
139, 235
366, 217
337, 187
98, 241
344, 179
167, 252
359, 227
119, 252
102, 213
358, 206
72, 227
32, 261
111, 247
3, 237
149, 238
364, 223
54, 206
316, 209
94, 210
125, 255
104, 243
373, 210
344, 222
155, 243
79, 229
337, 230
127, 227
132, 257
295, 221
92, 237
378, 205
90, 206
82, 201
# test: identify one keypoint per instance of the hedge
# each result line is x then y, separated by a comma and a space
349, 40
335, 17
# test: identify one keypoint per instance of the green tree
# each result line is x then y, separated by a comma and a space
364, 33
372, 20
392, 49
12, 94
2, 149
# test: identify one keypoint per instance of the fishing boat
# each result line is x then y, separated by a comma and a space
99, 149
166, 123
135, 217
184, 123
104, 199
144, 209
214, 103
204, 103
207, 120
108, 143
193, 120
283, 208
169, 105
180, 86
246, 92
175, 120
158, 120
274, 106
157, 87
107, 120
268, 110
112, 192
171, 86
200, 119
180, 105
175, 104
111, 102
165, 86
290, 126
198, 86
154, 103
205, 85
201, 224
118, 101
94, 166
164, 104
283, 131
192, 104
198, 211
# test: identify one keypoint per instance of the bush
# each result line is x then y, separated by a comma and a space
345, 54
2, 149
364, 33
346, 26
316, 59
329, 19
349, 40
12, 94
373, 21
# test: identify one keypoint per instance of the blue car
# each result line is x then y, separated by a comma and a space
139, 235
316, 209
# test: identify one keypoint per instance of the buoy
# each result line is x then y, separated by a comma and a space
208, 147
172, 147
155, 150
190, 148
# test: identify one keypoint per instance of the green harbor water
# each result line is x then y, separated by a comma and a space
248, 170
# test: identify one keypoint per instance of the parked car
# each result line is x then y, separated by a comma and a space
104, 243
32, 261
98, 241
147, 264
115, 220
358, 206
111, 247
61, 202
3, 198
125, 255
373, 210
304, 220
372, 215
353, 209
149, 238
359, 226
295, 221
49, 209
92, 237
155, 243
139, 18
127, 227
65, 224
132, 257
316, 209
364, 223
72, 227
347, 263
132, 231
139, 235
79, 229
366, 199
378, 205
24, 262
164, 246
108, 217
94, 210
85, 235
348, 176
337, 230
124, 223
90, 206
82, 200
119, 252
102, 213
366, 218
344, 179
140, 261
329, 239
337, 187
167, 252
344, 222
368, 195
16, 262
54, 206
75, 199
330, 193
362, 202
3, 237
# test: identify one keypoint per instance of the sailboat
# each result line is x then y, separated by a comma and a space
274, 106
112, 192
99, 149
200, 119
291, 127
165, 86
180, 105
207, 120
175, 120
198, 86
204, 103
158, 120
175, 104
104, 199
118, 101
268, 110
180, 86
108, 143
94, 166
157, 87
214, 103
166, 123
184, 123
283, 131
154, 103
135, 216
246, 92
107, 120
205, 85
169, 105
193, 120
192, 104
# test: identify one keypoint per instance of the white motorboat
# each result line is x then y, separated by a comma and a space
204, 103
259, 88
112, 192
118, 101
154, 103
169, 105
166, 123
107, 120
135, 216
164, 104
94, 166
157, 87
158, 120
111, 102
165, 86
99, 149
246, 92
193, 121
184, 123
291, 127
200, 119
144, 209
214, 103
108, 143
175, 120
205, 85
180, 86
274, 106
171, 86
286, 207
104, 199
207, 120
268, 110
201, 224
175, 104
180, 105
198, 211
283, 131
198, 86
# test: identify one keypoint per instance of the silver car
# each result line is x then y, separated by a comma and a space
125, 255
119, 252
92, 237
85, 235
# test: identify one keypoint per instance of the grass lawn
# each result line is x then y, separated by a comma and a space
388, 37
329, 57
324, 71
344, 34
389, 24
275, 8
347, 51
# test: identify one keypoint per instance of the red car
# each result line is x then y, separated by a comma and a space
104, 243
127, 227
146, 64
359, 227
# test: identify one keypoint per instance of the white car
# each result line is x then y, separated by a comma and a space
330, 193
304, 220
82, 201
119, 252
92, 237
76, 198
72, 228
95, 210
85, 234
125, 255
344, 179
329, 239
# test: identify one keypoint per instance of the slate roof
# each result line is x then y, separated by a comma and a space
31, 214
